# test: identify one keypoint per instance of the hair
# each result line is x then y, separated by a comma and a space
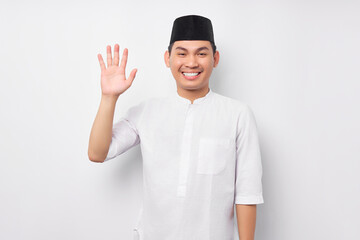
212, 45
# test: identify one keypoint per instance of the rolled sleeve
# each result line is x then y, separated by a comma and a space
125, 132
248, 185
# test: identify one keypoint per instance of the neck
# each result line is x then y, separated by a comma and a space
193, 94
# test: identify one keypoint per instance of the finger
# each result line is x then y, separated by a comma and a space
108, 53
116, 55
101, 61
124, 60
132, 75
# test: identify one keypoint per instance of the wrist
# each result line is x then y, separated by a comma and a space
109, 98
109, 101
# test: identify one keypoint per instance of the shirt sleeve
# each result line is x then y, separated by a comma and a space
248, 186
125, 132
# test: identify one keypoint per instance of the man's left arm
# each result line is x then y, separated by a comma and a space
248, 186
246, 220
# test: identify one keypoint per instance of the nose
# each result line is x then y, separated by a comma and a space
191, 61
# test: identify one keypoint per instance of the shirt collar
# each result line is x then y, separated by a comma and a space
196, 101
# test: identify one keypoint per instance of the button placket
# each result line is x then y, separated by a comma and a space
185, 151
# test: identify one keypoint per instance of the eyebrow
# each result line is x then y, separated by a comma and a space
199, 49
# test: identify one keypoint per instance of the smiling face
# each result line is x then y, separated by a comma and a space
191, 63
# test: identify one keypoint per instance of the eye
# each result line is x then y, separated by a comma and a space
181, 54
202, 54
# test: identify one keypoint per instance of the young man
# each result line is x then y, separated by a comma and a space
200, 149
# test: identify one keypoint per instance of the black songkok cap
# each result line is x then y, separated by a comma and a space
192, 27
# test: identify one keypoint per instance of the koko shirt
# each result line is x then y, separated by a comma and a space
198, 161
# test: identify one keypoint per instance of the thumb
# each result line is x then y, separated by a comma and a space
132, 75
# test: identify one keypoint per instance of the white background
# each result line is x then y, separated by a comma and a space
296, 63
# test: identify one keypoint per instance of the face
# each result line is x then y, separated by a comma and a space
191, 63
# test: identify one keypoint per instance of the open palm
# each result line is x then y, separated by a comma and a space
113, 78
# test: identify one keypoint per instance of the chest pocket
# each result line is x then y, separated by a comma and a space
213, 154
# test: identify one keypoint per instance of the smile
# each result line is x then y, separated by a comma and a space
191, 75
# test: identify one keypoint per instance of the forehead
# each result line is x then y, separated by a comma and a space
192, 44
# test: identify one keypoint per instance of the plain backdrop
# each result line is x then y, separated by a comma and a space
296, 63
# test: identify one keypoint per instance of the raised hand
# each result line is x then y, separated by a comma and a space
113, 78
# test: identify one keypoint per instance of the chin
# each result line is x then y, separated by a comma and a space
190, 86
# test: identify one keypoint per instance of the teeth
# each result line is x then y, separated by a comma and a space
190, 74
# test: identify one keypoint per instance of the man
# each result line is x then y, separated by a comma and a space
200, 149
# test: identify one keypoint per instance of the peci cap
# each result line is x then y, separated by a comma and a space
192, 27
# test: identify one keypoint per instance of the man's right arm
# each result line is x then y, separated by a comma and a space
113, 84
101, 132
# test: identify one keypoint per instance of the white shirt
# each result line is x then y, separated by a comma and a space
198, 161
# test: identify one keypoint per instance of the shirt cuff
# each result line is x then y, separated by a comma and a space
112, 151
249, 199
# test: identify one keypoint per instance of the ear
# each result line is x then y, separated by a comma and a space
167, 58
216, 58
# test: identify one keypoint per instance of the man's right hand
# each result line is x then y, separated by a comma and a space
113, 78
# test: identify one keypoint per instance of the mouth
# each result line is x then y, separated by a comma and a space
191, 75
